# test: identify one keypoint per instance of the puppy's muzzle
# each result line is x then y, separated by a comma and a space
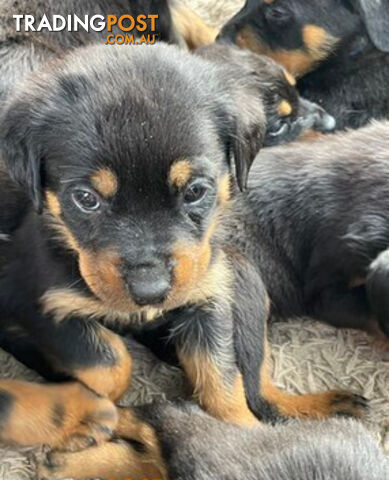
148, 283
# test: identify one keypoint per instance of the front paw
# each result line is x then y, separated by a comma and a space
95, 419
347, 404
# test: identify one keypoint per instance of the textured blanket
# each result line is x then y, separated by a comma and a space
307, 356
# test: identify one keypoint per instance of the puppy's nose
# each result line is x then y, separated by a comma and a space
149, 284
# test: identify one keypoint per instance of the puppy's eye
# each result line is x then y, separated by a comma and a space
86, 200
277, 14
195, 193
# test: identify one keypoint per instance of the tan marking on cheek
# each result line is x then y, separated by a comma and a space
180, 173
53, 204
101, 273
314, 37
105, 182
269, 2
290, 78
225, 190
284, 108
192, 262
297, 62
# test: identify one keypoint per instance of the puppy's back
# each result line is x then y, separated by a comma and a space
203, 448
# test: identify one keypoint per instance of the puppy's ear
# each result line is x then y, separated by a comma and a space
19, 151
246, 141
242, 136
375, 14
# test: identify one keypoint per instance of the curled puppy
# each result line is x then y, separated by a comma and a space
288, 115
179, 441
129, 175
338, 50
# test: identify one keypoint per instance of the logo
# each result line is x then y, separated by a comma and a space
135, 30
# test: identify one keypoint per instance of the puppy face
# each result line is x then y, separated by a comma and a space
287, 115
129, 155
301, 34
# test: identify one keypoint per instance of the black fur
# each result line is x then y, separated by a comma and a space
350, 79
319, 227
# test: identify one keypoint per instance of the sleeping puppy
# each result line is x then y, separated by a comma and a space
128, 186
339, 50
288, 115
184, 442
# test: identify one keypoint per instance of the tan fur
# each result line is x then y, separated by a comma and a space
290, 78
218, 398
284, 108
53, 204
298, 62
32, 418
192, 28
180, 173
315, 405
105, 182
113, 380
225, 190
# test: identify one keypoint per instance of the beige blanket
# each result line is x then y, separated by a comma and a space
308, 356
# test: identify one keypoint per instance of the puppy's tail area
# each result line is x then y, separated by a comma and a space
377, 288
191, 27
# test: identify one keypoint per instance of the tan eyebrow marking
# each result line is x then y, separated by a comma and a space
284, 108
180, 173
105, 182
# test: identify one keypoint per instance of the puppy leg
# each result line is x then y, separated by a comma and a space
204, 342
113, 460
316, 405
119, 459
56, 415
265, 399
377, 287
86, 351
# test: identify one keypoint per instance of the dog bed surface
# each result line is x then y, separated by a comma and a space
307, 355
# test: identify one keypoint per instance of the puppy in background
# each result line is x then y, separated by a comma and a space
338, 50
183, 442
288, 115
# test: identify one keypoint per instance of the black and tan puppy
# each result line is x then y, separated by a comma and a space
127, 173
288, 116
180, 441
339, 49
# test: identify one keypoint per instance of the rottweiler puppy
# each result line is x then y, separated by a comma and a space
337, 48
288, 115
180, 441
127, 187
24, 52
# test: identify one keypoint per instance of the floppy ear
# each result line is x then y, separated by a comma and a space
375, 14
19, 150
242, 136
246, 142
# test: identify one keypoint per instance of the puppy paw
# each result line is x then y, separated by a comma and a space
347, 404
95, 425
